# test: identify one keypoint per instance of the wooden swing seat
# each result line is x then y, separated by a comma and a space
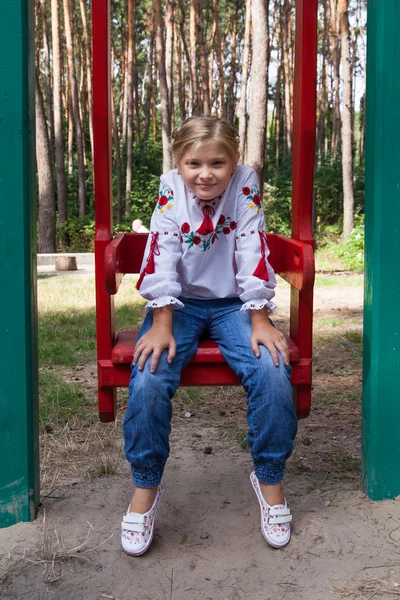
292, 258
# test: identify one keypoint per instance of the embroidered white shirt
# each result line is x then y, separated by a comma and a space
208, 250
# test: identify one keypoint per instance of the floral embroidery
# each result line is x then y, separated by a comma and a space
225, 225
185, 228
165, 199
253, 197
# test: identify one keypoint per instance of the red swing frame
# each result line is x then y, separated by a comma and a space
292, 258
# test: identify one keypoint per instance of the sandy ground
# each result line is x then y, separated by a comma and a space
208, 544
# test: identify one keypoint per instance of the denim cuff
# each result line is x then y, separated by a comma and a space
270, 472
147, 477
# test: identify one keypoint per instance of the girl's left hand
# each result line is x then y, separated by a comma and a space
266, 334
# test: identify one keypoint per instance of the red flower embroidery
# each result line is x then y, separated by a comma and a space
163, 200
246, 191
233, 225
196, 240
221, 220
214, 237
171, 192
257, 200
226, 230
185, 228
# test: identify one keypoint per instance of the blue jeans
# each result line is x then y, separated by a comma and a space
271, 415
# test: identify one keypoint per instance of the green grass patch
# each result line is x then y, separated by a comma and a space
67, 318
233, 434
59, 401
339, 280
332, 322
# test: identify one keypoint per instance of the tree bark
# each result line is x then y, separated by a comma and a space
58, 116
150, 82
336, 141
220, 63
230, 108
47, 207
88, 62
243, 86
129, 123
347, 134
286, 41
258, 110
203, 61
73, 89
179, 75
165, 111
169, 54
196, 105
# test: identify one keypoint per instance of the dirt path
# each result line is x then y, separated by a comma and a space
208, 545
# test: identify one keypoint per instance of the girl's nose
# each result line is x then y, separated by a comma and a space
206, 173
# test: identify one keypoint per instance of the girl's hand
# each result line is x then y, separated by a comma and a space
155, 341
266, 334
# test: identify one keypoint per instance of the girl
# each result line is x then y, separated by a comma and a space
206, 271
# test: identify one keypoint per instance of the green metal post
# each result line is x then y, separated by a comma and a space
381, 379
19, 439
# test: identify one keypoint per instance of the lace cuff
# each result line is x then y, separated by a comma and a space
164, 301
258, 305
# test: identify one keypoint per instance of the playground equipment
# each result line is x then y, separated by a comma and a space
292, 258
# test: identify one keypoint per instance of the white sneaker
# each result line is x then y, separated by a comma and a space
275, 520
138, 529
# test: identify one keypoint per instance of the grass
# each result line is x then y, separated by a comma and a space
339, 280
59, 401
67, 338
234, 434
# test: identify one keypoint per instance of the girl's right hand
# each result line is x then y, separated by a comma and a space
155, 341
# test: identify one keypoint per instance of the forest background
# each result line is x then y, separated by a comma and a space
172, 59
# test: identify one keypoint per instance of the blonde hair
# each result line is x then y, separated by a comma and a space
198, 130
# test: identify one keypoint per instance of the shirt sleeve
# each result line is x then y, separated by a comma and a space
158, 282
255, 276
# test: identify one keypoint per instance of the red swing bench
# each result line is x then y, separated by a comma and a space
292, 258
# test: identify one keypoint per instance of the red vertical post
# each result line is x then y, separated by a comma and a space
304, 127
101, 10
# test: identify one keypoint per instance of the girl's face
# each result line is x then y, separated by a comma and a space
206, 170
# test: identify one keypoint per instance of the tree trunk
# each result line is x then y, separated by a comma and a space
336, 81
258, 110
243, 86
129, 93
73, 88
179, 74
220, 63
165, 112
150, 81
169, 54
347, 134
203, 61
47, 207
88, 61
187, 54
196, 105
230, 108
49, 94
58, 117
118, 168
286, 41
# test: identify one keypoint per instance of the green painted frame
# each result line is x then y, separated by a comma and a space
19, 430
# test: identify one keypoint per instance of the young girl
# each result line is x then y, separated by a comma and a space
205, 270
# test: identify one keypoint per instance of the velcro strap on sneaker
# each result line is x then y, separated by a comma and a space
282, 515
275, 512
136, 527
133, 522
